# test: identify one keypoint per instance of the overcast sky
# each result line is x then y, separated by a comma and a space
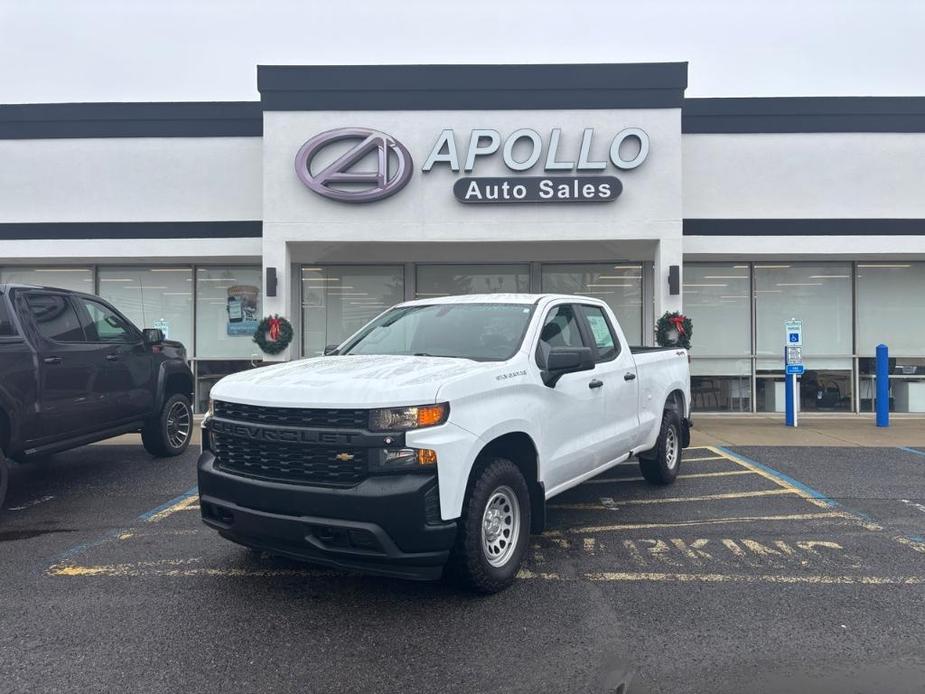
199, 50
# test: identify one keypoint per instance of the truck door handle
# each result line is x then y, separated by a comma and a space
112, 357
595, 384
52, 360
629, 376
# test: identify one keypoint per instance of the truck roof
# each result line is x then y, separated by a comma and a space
522, 298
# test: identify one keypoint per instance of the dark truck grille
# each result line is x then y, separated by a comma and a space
288, 462
298, 463
293, 416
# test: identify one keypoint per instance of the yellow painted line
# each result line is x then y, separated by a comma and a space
698, 460
776, 480
758, 578
727, 473
179, 567
170, 510
831, 515
670, 500
129, 534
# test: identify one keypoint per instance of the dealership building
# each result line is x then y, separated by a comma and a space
347, 189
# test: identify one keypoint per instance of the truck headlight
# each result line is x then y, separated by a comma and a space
404, 459
406, 418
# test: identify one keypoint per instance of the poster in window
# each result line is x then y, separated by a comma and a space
242, 309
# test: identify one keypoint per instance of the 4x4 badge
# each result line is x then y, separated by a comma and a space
338, 182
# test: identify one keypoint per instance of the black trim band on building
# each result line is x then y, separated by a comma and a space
804, 227
470, 87
130, 230
180, 119
841, 114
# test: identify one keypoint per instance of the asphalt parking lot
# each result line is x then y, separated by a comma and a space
766, 568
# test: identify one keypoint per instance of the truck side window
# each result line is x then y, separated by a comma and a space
606, 342
101, 324
560, 329
55, 318
7, 329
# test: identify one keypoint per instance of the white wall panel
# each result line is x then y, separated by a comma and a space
130, 179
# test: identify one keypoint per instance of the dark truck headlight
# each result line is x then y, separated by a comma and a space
408, 418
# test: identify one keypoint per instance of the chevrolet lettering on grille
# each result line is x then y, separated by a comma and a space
281, 435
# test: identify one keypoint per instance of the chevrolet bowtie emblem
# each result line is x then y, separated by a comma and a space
344, 457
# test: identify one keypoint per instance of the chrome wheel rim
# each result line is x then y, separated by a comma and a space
178, 424
500, 526
671, 448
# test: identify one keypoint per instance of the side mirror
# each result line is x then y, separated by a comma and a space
330, 349
566, 360
153, 336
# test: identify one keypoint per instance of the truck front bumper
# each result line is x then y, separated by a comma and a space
387, 524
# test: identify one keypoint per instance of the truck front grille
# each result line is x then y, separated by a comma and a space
293, 416
292, 463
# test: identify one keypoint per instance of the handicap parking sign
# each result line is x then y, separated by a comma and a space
794, 330
794, 337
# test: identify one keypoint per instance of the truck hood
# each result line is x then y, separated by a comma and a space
360, 381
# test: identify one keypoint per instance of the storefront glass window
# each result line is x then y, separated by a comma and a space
619, 286
339, 300
79, 279
446, 280
820, 295
160, 297
891, 311
716, 298
227, 312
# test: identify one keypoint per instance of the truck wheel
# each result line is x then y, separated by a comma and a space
4, 478
170, 432
493, 530
661, 464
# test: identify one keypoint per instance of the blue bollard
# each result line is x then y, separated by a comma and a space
883, 386
789, 410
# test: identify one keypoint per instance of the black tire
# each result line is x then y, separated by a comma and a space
162, 435
4, 478
662, 463
470, 562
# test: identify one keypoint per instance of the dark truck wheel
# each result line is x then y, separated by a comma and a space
170, 432
493, 530
661, 464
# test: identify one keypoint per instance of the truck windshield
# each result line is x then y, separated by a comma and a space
481, 332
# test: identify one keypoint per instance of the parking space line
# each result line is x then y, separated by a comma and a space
759, 578
179, 567
698, 460
671, 500
830, 515
726, 473
188, 497
914, 451
779, 478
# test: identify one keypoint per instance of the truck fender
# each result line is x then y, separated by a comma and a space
164, 371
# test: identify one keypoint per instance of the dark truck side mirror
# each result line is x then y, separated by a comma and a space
153, 336
566, 360
330, 349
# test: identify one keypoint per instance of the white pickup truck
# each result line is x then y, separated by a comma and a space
433, 437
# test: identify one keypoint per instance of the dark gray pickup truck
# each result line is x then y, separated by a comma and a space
73, 370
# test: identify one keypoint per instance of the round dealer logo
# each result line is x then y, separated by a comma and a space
339, 181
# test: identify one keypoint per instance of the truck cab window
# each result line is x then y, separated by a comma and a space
7, 329
559, 330
101, 324
55, 318
606, 342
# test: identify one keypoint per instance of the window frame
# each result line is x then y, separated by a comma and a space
133, 335
6, 303
582, 330
67, 299
618, 347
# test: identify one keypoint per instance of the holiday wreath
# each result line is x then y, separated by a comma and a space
674, 329
274, 333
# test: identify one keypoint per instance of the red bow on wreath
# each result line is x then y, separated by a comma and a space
273, 328
678, 322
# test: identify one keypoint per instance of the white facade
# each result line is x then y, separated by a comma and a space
768, 207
